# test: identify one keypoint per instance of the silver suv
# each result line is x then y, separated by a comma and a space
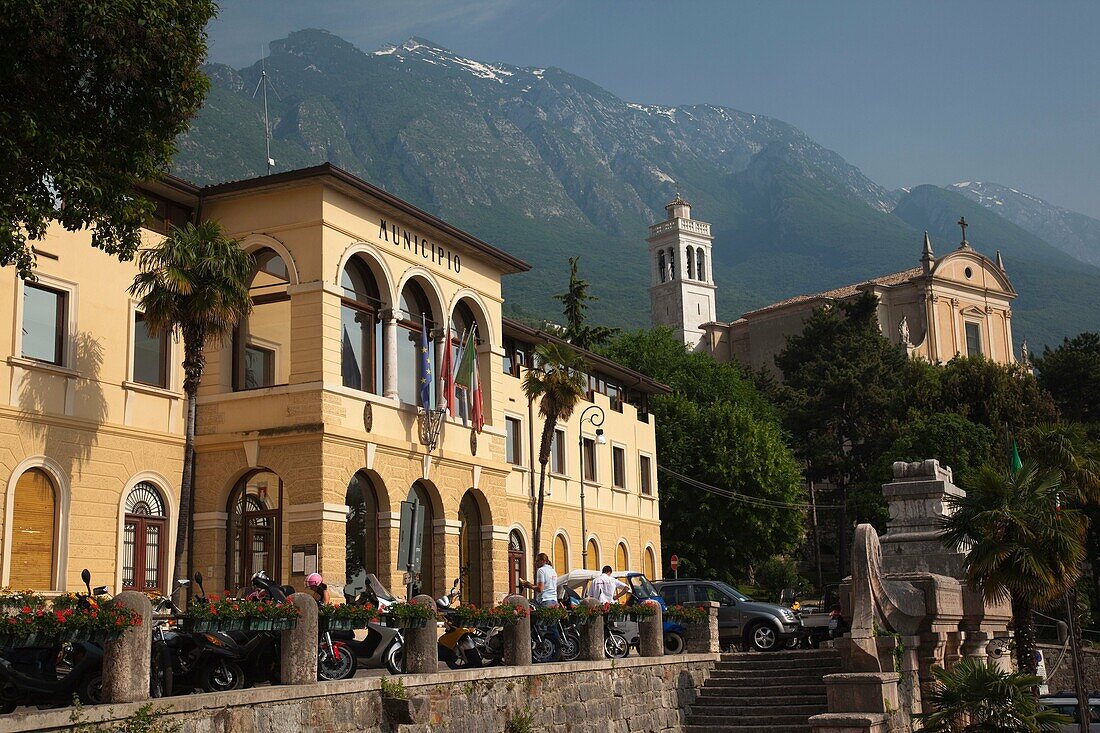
762, 626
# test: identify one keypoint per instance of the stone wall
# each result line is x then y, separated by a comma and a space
1062, 679
611, 696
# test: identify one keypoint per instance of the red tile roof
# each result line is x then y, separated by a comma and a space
847, 291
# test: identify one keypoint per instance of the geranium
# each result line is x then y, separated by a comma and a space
685, 614
357, 615
12, 600
545, 616
504, 614
584, 611
412, 612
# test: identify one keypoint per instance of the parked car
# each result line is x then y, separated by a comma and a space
1065, 702
763, 626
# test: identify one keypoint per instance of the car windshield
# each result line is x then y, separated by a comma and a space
734, 592
641, 587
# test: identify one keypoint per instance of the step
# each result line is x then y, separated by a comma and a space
737, 688
770, 674
801, 711
786, 654
709, 728
786, 701
765, 663
759, 720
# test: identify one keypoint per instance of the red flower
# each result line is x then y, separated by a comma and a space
26, 609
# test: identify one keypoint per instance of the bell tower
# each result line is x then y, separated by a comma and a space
682, 290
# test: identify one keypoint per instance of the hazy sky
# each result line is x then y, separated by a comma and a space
929, 92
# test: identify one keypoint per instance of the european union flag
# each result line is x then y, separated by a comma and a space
425, 367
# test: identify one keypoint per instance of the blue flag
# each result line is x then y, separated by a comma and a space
425, 367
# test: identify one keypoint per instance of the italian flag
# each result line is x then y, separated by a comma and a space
467, 377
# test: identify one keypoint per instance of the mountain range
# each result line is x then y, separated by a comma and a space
546, 164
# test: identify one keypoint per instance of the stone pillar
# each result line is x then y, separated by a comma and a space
651, 632
126, 661
952, 651
929, 655
702, 638
299, 645
592, 646
422, 644
389, 350
517, 636
974, 646
858, 702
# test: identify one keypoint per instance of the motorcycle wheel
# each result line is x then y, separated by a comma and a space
674, 643
570, 646
543, 650
616, 646
341, 667
90, 690
161, 678
395, 659
222, 676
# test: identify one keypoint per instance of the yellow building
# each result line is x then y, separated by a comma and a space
960, 303
309, 433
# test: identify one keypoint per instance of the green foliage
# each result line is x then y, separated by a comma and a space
393, 689
1021, 546
575, 301
145, 720
975, 696
778, 574
1071, 373
95, 94
522, 722
999, 396
948, 437
715, 428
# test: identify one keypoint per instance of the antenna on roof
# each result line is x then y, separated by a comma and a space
265, 82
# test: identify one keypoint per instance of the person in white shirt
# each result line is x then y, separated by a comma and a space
546, 582
606, 589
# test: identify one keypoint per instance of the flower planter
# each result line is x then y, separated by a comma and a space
196, 625
408, 623
337, 624
232, 625
284, 624
261, 624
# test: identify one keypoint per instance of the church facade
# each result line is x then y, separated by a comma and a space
957, 303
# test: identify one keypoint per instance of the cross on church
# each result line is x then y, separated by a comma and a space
962, 223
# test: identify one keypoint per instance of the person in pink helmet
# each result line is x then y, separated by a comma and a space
315, 587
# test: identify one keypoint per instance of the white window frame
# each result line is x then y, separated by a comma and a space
170, 367
564, 452
626, 467
520, 459
275, 348
652, 478
966, 342
595, 460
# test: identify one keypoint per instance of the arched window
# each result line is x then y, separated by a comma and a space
426, 583
34, 532
414, 316
593, 556
255, 521
462, 320
517, 561
262, 351
671, 264
650, 566
622, 557
469, 551
690, 262
700, 263
360, 328
662, 268
561, 555
361, 530
144, 539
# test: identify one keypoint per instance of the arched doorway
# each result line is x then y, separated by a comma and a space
426, 583
622, 557
561, 555
593, 562
361, 530
33, 549
650, 565
144, 539
517, 560
255, 521
469, 551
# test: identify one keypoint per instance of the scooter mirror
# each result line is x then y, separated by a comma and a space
100, 590
198, 582
86, 576
183, 582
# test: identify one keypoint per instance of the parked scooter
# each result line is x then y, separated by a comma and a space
458, 646
50, 675
383, 646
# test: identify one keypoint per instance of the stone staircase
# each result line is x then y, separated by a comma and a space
763, 692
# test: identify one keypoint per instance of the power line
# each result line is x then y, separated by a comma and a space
745, 498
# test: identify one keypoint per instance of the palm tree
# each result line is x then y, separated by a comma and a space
558, 381
1022, 546
1066, 448
194, 283
975, 696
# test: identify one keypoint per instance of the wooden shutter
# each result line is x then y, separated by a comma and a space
33, 532
560, 559
620, 557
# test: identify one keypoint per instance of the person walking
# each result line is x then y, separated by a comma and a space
546, 596
606, 589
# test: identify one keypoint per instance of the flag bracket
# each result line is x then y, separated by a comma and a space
431, 424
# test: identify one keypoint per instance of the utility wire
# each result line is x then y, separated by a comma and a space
745, 498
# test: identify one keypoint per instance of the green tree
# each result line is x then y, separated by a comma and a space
575, 301
1003, 397
842, 402
1021, 546
558, 383
948, 437
716, 429
194, 283
975, 696
1071, 373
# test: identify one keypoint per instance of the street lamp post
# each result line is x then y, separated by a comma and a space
596, 418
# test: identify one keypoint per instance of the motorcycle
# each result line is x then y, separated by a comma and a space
51, 675
186, 661
457, 646
383, 646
